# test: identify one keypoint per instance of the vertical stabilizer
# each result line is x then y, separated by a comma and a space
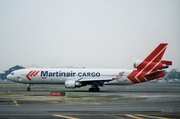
149, 68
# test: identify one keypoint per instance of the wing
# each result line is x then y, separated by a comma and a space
95, 79
79, 82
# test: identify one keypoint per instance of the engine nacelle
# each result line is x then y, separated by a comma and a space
136, 63
165, 66
72, 84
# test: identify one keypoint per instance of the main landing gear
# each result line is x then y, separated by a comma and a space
94, 89
28, 88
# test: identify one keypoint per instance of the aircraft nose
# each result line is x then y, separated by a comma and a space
9, 77
12, 77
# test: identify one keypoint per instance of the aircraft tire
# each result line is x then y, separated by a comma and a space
28, 89
94, 89
91, 89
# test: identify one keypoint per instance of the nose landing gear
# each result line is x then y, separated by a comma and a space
28, 88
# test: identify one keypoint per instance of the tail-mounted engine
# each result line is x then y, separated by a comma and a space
139, 64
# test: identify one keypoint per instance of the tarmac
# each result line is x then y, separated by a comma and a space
141, 101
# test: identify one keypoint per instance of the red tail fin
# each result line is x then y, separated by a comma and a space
157, 53
151, 63
154, 57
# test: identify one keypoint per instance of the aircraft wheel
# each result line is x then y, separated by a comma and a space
96, 89
91, 89
28, 89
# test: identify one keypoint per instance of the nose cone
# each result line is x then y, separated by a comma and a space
9, 77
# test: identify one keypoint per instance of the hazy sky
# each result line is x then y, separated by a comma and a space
87, 33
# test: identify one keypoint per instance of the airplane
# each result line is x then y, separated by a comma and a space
152, 67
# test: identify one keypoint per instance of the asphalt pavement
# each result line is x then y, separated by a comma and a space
142, 101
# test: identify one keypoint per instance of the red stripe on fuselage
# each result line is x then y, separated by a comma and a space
27, 76
32, 73
36, 73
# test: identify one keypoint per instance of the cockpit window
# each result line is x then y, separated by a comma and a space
12, 73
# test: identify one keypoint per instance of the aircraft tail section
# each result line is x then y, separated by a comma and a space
156, 74
151, 67
157, 53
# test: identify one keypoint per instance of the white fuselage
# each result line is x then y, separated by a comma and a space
148, 69
59, 76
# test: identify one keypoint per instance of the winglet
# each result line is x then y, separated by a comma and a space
120, 75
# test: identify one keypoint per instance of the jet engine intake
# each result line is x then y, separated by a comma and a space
72, 84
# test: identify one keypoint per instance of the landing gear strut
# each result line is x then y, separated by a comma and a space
95, 87
28, 88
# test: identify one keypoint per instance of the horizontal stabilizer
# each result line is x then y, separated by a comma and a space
166, 62
153, 73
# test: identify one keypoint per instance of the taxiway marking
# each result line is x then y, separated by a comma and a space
15, 103
132, 116
63, 116
155, 117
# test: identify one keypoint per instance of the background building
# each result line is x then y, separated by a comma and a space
6, 72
